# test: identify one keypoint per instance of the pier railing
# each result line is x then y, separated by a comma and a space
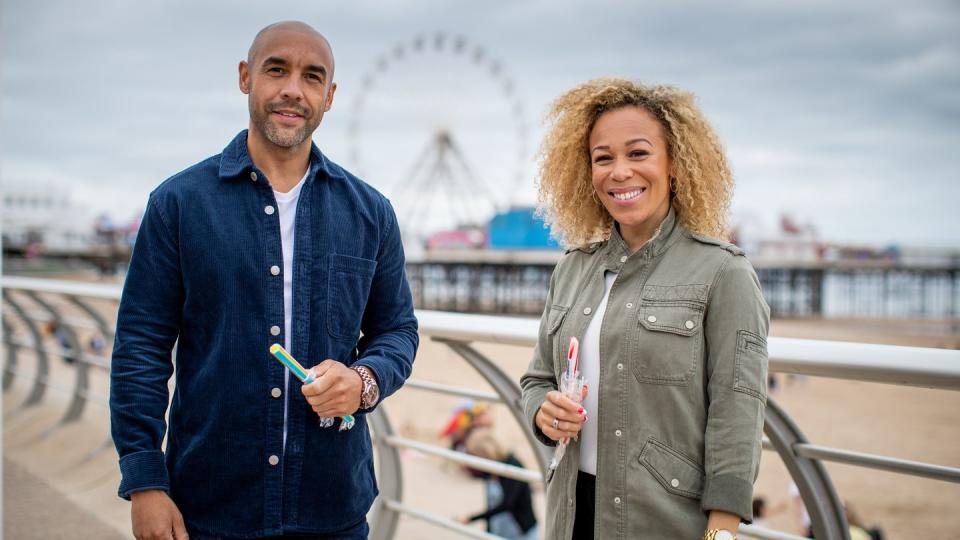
77, 309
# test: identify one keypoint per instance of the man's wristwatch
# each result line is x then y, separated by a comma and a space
370, 392
719, 534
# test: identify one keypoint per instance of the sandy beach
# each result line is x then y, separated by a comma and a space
75, 462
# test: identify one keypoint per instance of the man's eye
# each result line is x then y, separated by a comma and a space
275, 70
315, 78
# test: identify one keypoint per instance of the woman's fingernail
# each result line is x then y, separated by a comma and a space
580, 410
585, 418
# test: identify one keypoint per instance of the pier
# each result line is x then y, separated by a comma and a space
516, 282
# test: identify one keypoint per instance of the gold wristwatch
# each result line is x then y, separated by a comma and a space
719, 534
370, 392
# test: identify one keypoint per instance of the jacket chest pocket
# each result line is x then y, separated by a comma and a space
348, 285
669, 339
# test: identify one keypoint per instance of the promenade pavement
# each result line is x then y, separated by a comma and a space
33, 509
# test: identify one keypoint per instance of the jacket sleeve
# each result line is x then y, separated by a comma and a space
390, 340
148, 324
737, 323
540, 377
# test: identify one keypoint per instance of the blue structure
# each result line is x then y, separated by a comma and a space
519, 228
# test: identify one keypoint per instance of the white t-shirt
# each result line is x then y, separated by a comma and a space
590, 369
287, 212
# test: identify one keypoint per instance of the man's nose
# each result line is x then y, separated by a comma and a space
292, 89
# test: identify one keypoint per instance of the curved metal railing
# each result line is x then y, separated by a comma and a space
29, 303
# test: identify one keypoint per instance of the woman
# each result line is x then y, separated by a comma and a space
671, 322
509, 512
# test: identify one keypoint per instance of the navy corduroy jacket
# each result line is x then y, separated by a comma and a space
200, 277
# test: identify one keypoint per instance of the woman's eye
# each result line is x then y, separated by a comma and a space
601, 159
639, 153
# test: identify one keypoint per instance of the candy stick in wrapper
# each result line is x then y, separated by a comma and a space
306, 377
571, 385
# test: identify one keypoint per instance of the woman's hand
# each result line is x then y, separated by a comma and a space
559, 417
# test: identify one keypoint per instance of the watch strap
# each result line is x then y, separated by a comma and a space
370, 388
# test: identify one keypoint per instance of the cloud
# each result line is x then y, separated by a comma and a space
844, 113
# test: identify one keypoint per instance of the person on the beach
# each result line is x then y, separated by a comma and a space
268, 242
509, 512
671, 321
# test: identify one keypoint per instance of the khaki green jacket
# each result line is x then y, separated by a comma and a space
683, 352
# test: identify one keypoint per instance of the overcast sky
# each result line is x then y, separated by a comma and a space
845, 115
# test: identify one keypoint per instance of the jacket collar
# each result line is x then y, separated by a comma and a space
235, 159
662, 238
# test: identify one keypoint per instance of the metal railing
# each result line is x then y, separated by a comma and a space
910, 366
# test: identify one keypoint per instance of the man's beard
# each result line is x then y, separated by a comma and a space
277, 135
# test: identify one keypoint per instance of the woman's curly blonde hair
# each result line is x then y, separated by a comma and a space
701, 182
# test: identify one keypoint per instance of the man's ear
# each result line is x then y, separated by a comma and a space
333, 88
244, 72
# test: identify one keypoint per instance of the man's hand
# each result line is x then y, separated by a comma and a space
336, 392
155, 517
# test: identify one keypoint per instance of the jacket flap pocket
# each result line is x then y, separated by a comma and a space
677, 473
355, 265
680, 319
675, 293
557, 313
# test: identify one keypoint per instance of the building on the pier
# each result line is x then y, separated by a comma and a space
42, 215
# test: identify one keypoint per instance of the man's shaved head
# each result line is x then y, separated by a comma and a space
288, 79
271, 31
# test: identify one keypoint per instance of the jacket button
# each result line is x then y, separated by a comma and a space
274, 330
616, 500
276, 392
618, 432
652, 318
275, 270
253, 175
623, 259
629, 305
268, 210
273, 460
586, 311
675, 483
689, 325
620, 367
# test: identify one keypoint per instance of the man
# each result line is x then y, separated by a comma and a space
268, 242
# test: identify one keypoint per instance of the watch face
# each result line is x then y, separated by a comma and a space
373, 393
725, 535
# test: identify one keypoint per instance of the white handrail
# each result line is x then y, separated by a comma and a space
61, 286
891, 364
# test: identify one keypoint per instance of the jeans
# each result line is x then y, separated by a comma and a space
360, 531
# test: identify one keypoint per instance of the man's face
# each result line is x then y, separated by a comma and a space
289, 83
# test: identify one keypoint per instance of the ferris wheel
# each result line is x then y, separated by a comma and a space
439, 126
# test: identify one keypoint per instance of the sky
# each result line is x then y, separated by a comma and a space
843, 115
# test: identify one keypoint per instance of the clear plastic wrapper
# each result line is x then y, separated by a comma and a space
571, 386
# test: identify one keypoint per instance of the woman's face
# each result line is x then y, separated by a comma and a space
631, 171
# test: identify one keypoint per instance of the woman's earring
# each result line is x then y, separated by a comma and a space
673, 184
